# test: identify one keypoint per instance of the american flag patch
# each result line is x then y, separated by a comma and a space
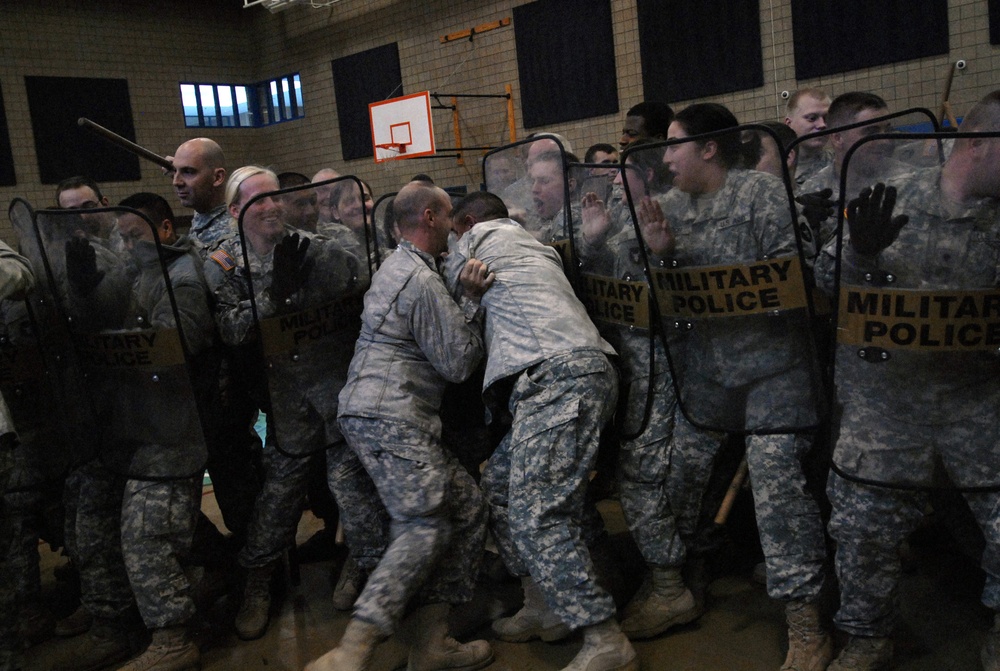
221, 257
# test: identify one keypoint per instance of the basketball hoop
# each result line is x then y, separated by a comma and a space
402, 128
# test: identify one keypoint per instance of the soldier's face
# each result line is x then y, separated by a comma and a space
84, 198
685, 161
547, 188
134, 230
809, 116
262, 218
870, 157
351, 210
604, 157
195, 181
635, 127
301, 209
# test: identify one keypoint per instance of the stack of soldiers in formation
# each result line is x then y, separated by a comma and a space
670, 300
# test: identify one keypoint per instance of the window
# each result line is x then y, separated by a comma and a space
239, 106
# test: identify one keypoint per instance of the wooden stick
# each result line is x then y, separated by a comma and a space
734, 488
126, 144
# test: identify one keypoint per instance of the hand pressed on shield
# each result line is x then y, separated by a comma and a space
81, 265
655, 229
817, 207
476, 278
870, 220
291, 266
595, 222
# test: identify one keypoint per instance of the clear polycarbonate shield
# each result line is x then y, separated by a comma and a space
306, 296
137, 318
384, 222
820, 157
350, 221
530, 177
916, 367
37, 375
728, 286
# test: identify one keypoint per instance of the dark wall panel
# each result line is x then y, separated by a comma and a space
65, 149
359, 79
565, 60
994, 21
7, 177
833, 36
698, 49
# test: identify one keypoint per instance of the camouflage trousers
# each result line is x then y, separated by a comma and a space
362, 514
788, 516
132, 536
536, 481
10, 646
23, 510
278, 507
438, 520
664, 473
868, 523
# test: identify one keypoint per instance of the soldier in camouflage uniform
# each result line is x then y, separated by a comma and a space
665, 468
15, 278
546, 360
414, 340
805, 114
901, 415
134, 527
713, 215
335, 271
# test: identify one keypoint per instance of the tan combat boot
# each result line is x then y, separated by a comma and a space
810, 646
534, 620
349, 585
255, 610
605, 648
864, 653
667, 603
170, 650
354, 652
990, 654
434, 650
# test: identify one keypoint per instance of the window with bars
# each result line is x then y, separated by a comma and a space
242, 106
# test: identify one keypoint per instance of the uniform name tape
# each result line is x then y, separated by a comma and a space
775, 285
935, 320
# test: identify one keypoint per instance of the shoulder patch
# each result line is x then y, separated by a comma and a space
223, 258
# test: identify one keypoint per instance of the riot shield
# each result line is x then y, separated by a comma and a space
384, 219
916, 370
351, 208
306, 296
530, 176
39, 375
136, 321
726, 274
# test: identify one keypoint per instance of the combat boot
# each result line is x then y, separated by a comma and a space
534, 620
354, 652
434, 650
864, 653
255, 611
170, 650
810, 646
78, 622
352, 580
991, 647
605, 648
107, 643
667, 603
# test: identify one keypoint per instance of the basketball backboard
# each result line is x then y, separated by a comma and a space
402, 127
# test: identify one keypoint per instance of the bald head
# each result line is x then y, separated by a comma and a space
327, 208
324, 174
199, 174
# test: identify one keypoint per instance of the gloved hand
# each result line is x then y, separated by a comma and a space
817, 207
81, 265
870, 220
291, 266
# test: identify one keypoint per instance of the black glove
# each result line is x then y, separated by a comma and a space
81, 265
870, 220
817, 207
291, 266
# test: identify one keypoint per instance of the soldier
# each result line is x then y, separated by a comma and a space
806, 113
143, 496
323, 193
199, 180
916, 412
280, 267
15, 278
648, 119
715, 215
414, 340
543, 350
665, 467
